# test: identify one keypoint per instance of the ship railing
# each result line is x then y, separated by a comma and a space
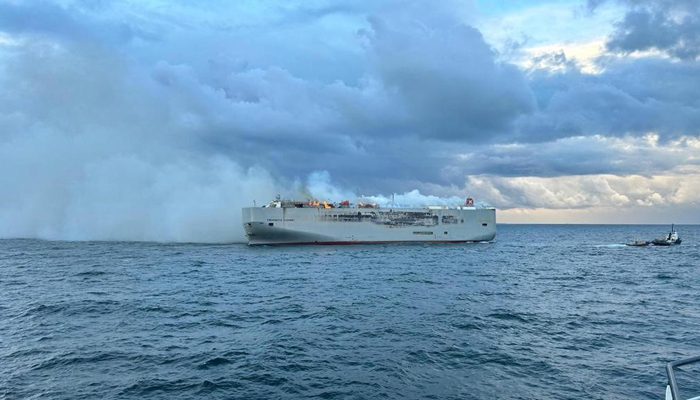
672, 392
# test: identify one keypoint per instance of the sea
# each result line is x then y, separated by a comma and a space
542, 312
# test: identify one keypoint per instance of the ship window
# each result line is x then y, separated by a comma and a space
484, 224
271, 224
445, 232
462, 220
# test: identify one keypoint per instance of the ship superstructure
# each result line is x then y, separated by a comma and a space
314, 222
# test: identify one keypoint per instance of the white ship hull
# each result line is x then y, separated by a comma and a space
277, 225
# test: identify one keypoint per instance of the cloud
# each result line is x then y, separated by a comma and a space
630, 97
97, 149
644, 30
133, 121
448, 78
589, 192
76, 22
668, 26
105, 148
579, 156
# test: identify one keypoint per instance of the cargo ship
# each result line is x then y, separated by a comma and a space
287, 222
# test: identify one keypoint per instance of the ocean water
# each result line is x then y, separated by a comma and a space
544, 312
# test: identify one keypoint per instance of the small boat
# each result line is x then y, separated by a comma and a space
671, 239
638, 243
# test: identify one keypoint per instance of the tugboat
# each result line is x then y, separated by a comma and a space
670, 239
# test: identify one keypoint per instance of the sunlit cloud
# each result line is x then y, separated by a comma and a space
591, 199
559, 56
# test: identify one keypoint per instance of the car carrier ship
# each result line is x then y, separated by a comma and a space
314, 222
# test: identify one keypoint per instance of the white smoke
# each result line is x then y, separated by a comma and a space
99, 142
98, 150
320, 187
413, 198
127, 198
92, 148
132, 199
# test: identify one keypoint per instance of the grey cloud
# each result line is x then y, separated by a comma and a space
38, 17
670, 26
646, 30
157, 141
576, 156
81, 22
449, 79
433, 77
630, 97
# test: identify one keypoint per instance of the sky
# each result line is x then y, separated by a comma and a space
158, 120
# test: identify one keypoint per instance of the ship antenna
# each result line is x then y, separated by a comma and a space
392, 200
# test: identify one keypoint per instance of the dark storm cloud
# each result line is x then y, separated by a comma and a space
630, 97
449, 80
648, 30
670, 26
